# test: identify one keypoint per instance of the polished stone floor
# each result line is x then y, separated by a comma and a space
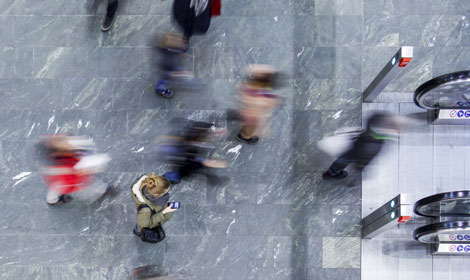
275, 218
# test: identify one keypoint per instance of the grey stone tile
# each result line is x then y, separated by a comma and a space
140, 253
22, 271
65, 219
314, 31
24, 7
262, 158
348, 7
447, 60
134, 30
136, 94
15, 185
84, 31
61, 62
207, 256
345, 221
280, 31
310, 189
112, 219
72, 271
125, 155
380, 7
450, 7
145, 7
334, 273
322, 7
250, 8
10, 253
281, 58
341, 252
6, 29
382, 31
19, 93
16, 62
19, 125
311, 63
95, 94
414, 7
148, 124
297, 252
114, 62
331, 94
216, 62
40, 31
19, 156
432, 31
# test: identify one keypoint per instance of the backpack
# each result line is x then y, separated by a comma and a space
151, 235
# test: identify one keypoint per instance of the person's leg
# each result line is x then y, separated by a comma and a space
247, 133
161, 87
55, 198
110, 15
336, 169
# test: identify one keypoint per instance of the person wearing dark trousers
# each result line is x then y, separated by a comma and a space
380, 128
193, 16
110, 15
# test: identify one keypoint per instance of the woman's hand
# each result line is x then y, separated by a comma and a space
169, 210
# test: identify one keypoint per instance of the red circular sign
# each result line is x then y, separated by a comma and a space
452, 236
452, 248
453, 114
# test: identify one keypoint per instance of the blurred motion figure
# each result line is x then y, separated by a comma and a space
171, 49
380, 128
185, 152
69, 166
257, 101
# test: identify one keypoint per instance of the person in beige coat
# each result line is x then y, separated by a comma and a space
150, 194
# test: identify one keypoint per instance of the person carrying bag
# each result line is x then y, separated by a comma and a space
150, 194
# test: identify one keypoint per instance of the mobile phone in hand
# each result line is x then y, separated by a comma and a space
174, 205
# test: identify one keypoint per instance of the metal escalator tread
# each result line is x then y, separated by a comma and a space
453, 84
429, 232
455, 204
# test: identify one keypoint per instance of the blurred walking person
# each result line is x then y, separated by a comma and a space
257, 101
70, 166
171, 49
186, 152
380, 128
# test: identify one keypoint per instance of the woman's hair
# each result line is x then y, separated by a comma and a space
156, 185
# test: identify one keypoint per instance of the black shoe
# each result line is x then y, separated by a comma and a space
107, 23
252, 140
328, 176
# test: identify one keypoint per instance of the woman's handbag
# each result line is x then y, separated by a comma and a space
151, 235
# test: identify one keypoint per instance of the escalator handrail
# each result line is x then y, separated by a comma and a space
439, 227
455, 195
436, 82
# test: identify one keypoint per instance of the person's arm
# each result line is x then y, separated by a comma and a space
145, 218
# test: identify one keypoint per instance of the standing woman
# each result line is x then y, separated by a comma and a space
150, 194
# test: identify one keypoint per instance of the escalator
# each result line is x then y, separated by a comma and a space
447, 98
449, 229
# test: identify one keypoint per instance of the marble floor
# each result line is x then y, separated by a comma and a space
275, 218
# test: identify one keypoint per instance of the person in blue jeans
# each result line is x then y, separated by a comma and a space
171, 49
